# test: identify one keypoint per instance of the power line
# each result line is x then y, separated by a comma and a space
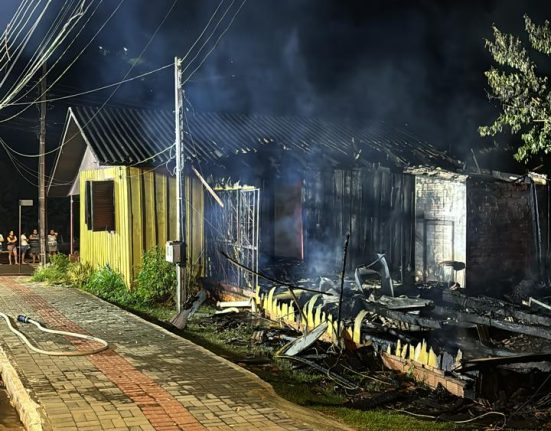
210, 35
61, 56
72, 62
110, 96
217, 41
94, 90
45, 49
124, 77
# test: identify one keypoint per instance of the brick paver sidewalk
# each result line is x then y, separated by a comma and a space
148, 379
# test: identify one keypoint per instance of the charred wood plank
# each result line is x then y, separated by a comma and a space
412, 319
459, 316
498, 307
472, 364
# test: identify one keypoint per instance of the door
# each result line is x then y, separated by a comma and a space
234, 229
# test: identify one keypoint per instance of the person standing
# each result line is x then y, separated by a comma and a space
23, 247
1, 242
12, 247
52, 242
34, 241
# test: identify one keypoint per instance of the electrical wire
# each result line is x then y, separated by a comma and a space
63, 73
216, 42
94, 90
19, 31
52, 67
210, 35
45, 50
203, 32
112, 93
82, 127
491, 413
63, 12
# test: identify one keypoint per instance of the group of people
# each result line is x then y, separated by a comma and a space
26, 244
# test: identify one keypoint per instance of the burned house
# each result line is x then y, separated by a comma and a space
292, 189
486, 232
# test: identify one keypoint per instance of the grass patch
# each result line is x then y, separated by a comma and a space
384, 420
303, 387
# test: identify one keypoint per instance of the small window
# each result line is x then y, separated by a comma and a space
100, 205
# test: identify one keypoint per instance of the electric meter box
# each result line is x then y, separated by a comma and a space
173, 251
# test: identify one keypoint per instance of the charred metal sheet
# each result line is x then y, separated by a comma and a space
302, 343
380, 267
193, 304
404, 303
541, 304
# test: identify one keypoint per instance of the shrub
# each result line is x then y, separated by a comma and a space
55, 272
79, 274
109, 285
60, 261
156, 281
49, 274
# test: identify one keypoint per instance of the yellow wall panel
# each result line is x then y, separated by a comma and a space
107, 248
161, 204
135, 198
149, 207
145, 204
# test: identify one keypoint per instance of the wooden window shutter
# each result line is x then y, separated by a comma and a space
88, 205
103, 205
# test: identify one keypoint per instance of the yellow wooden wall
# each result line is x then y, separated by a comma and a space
101, 248
145, 211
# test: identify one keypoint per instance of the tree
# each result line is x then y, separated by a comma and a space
524, 95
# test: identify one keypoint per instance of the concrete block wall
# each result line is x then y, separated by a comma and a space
440, 227
500, 241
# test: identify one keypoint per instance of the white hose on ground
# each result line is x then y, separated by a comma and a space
104, 344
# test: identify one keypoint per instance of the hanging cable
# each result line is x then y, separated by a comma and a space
216, 42
95, 90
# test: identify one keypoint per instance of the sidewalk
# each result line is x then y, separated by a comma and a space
149, 379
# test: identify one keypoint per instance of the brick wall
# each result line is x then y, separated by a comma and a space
440, 210
500, 244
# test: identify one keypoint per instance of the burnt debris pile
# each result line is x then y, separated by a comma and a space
469, 356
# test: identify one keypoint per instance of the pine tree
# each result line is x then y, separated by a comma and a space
524, 95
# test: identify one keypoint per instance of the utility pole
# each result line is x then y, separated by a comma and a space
42, 168
181, 293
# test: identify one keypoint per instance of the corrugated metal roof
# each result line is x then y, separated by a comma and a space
130, 136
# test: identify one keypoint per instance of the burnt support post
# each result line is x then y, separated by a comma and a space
343, 273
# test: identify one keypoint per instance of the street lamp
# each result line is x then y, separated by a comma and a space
22, 203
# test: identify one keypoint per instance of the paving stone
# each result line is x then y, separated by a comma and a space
149, 379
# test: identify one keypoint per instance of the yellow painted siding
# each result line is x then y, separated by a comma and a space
195, 226
144, 205
112, 248
149, 196
172, 210
161, 205
135, 198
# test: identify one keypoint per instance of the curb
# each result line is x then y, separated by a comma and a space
28, 410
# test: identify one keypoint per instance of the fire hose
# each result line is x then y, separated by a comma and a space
22, 337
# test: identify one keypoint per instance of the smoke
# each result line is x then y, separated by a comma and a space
400, 62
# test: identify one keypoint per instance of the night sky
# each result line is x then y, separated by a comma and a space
418, 63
